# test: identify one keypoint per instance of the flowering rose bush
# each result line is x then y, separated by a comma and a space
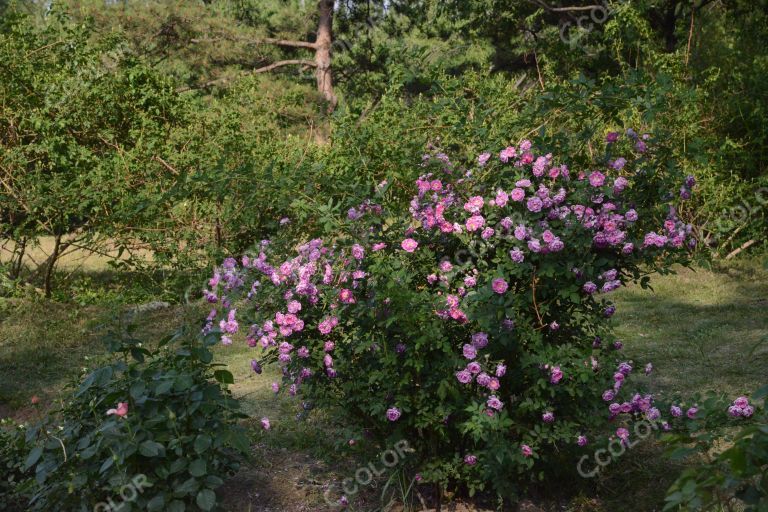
478, 327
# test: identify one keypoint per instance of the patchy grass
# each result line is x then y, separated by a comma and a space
703, 329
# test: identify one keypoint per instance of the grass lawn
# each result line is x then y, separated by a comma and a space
702, 330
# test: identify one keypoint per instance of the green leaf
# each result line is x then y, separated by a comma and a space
189, 486
33, 457
156, 503
197, 467
224, 376
150, 448
176, 506
206, 499
202, 443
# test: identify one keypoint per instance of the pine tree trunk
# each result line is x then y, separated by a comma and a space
323, 53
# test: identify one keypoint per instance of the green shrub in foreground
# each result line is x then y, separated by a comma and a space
154, 431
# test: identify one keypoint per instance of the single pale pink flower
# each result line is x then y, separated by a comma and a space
122, 410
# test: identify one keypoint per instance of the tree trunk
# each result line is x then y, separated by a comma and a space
323, 53
669, 27
51, 264
18, 258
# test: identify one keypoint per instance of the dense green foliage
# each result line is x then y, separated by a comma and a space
109, 142
155, 430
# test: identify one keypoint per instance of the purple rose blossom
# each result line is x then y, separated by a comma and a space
255, 366
548, 417
473, 367
464, 376
475, 222
480, 339
393, 414
534, 204
622, 434
556, 375
501, 198
474, 205
582, 441
483, 159
483, 379
526, 450
521, 232
517, 255
619, 164
378, 246
501, 370
691, 412
409, 245
495, 403
675, 411
487, 233
507, 153
265, 423
470, 460
358, 252
597, 179
608, 395
469, 351
612, 137
499, 285
609, 311
517, 194
589, 287
741, 402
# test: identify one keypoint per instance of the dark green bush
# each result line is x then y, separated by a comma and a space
13, 477
170, 445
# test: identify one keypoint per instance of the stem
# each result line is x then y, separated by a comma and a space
51, 265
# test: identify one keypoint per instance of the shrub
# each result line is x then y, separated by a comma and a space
730, 440
13, 477
153, 433
478, 330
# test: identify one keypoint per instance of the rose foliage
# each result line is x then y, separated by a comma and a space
478, 326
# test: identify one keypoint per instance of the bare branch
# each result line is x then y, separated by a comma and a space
281, 63
574, 8
265, 40
278, 64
